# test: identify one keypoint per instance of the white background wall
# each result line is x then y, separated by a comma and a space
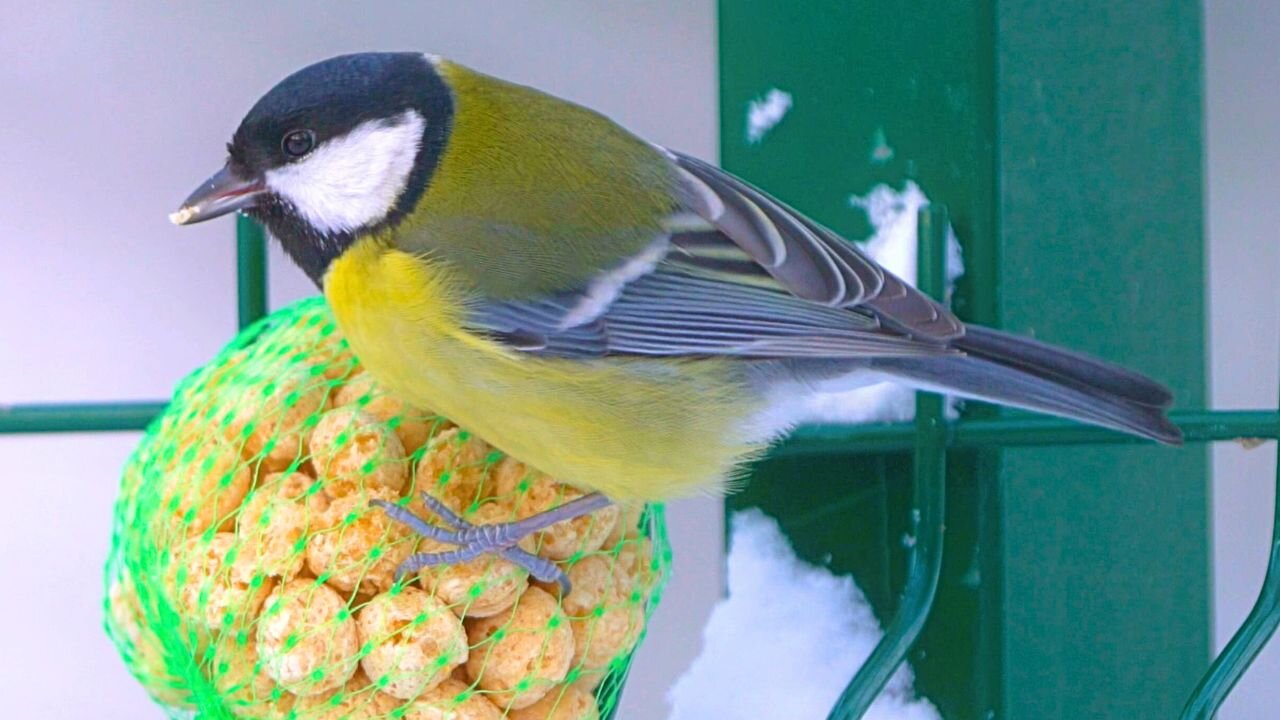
1242, 68
108, 116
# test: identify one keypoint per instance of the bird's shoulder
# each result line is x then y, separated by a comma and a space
536, 194
735, 273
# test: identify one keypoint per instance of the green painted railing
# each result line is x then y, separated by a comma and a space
930, 436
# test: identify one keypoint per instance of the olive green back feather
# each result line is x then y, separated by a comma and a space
534, 194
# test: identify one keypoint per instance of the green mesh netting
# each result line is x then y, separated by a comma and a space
250, 578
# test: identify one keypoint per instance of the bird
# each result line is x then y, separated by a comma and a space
629, 319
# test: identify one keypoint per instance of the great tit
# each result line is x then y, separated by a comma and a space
626, 318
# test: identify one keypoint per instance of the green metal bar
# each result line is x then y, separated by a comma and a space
78, 417
251, 270
1250, 638
924, 556
1023, 431
1198, 426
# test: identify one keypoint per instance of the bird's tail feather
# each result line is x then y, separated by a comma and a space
1010, 370
1049, 361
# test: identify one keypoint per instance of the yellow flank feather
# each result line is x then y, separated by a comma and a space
632, 429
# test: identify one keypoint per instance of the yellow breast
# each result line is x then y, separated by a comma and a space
631, 428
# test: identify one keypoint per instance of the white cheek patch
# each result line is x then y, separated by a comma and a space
353, 180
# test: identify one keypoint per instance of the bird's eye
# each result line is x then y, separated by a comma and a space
298, 143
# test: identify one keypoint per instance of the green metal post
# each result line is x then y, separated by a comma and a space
251, 270
924, 555
1105, 587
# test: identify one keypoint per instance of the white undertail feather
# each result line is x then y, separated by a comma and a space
790, 402
352, 181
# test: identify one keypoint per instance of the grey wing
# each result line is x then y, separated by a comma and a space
739, 274
674, 312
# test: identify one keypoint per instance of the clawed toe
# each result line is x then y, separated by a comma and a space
500, 539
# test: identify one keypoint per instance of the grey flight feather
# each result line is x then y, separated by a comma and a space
673, 312
807, 259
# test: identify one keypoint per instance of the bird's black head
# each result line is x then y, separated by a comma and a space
334, 151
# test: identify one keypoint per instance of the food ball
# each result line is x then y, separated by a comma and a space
520, 655
481, 587
336, 362
358, 699
243, 684
355, 545
273, 421
142, 650
413, 426
277, 519
307, 639
199, 393
634, 557
568, 703
217, 584
207, 483
538, 493
628, 525
441, 703
351, 451
316, 342
455, 469
605, 616
416, 642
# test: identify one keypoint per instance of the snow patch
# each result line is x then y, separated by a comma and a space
895, 216
763, 114
785, 641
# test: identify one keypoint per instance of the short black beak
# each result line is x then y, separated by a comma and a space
223, 193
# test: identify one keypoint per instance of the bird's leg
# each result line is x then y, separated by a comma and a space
541, 568
417, 524
499, 539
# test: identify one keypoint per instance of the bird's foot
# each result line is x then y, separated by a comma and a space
499, 539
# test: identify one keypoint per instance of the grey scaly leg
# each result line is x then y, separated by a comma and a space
541, 568
500, 539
